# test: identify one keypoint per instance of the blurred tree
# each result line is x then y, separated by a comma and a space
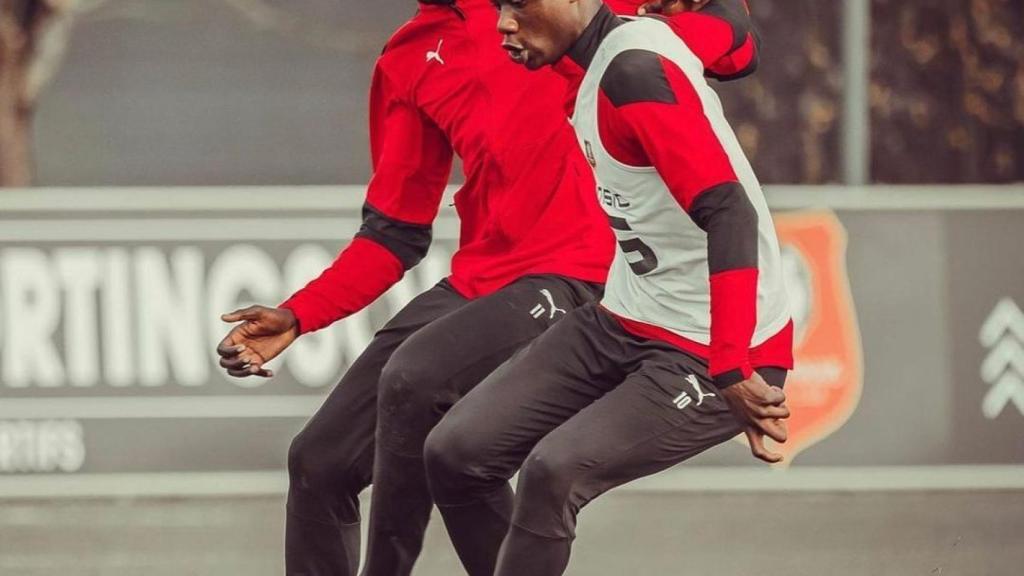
34, 35
787, 116
33, 38
947, 91
793, 98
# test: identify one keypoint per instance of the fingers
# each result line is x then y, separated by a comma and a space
771, 403
247, 363
241, 361
775, 429
228, 349
773, 395
771, 412
758, 449
753, 401
252, 370
234, 362
250, 313
651, 7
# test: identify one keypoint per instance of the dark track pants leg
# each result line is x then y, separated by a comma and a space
632, 431
427, 375
331, 460
586, 408
484, 439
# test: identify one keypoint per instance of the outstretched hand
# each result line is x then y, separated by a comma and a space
761, 410
262, 335
670, 7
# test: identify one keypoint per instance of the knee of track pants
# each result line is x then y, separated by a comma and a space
546, 498
322, 482
457, 466
413, 395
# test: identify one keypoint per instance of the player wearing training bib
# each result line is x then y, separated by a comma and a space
692, 340
532, 245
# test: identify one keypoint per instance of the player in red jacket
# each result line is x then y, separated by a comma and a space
533, 245
690, 343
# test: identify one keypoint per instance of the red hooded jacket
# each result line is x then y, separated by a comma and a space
444, 86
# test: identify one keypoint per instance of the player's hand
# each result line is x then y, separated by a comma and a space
262, 335
761, 411
670, 7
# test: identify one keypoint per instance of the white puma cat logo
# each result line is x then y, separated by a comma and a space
436, 54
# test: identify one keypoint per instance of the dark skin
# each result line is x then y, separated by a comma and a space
537, 33
671, 7
547, 26
262, 335
266, 332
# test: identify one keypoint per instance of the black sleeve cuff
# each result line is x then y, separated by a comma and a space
408, 242
726, 379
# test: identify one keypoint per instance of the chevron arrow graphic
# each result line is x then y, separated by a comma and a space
1009, 388
1005, 317
1006, 355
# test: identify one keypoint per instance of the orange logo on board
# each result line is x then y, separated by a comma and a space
824, 388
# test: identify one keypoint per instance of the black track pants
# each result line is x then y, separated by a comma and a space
431, 353
585, 408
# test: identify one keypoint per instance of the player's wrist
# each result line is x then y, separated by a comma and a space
294, 312
731, 376
291, 320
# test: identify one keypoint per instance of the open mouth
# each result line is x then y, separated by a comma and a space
516, 53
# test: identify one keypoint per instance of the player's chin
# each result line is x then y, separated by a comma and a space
535, 60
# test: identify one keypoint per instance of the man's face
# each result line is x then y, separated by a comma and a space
538, 32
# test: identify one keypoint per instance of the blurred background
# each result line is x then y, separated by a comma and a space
142, 142
258, 92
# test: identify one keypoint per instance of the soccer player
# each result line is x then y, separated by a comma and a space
692, 340
533, 245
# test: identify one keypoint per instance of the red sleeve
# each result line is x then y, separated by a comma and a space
360, 274
411, 155
722, 35
411, 163
650, 115
624, 7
